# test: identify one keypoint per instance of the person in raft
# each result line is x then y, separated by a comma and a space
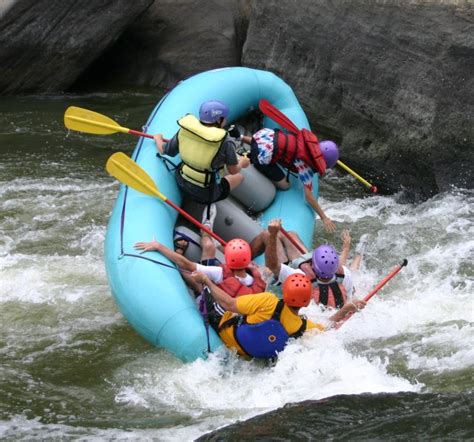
272, 148
205, 149
331, 279
237, 276
259, 325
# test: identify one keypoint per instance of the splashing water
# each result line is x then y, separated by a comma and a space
72, 367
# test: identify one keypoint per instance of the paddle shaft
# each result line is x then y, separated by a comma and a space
357, 176
195, 221
376, 289
140, 134
292, 240
385, 280
135, 181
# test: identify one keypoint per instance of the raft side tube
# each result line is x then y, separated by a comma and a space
256, 192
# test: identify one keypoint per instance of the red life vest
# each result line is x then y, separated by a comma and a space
304, 146
233, 287
333, 294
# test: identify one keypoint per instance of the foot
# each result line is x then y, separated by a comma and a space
362, 245
180, 244
208, 221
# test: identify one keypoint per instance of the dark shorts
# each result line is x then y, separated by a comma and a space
204, 195
210, 262
272, 171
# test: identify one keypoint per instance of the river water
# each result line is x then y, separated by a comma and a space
72, 368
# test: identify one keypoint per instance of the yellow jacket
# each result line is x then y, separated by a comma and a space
198, 146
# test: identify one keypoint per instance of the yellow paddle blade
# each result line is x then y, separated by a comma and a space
84, 120
131, 174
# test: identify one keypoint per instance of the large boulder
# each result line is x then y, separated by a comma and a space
46, 44
391, 81
173, 40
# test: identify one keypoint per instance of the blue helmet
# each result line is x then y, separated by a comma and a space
212, 111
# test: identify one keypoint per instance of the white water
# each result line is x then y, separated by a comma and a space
413, 336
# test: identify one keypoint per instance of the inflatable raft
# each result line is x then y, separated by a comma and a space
150, 293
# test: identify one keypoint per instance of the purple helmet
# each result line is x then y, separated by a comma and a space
325, 261
212, 111
330, 152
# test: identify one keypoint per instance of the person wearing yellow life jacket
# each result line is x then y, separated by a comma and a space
205, 149
260, 325
237, 276
302, 154
331, 279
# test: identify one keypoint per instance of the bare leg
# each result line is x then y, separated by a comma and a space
282, 257
360, 250
291, 250
234, 180
283, 184
258, 244
356, 262
193, 285
208, 247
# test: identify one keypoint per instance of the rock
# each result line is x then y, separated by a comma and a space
45, 45
172, 41
391, 81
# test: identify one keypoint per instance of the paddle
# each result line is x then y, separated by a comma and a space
292, 240
279, 117
376, 289
131, 174
84, 120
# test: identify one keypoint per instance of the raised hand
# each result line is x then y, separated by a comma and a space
329, 226
147, 246
274, 226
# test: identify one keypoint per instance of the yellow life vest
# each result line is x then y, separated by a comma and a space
198, 146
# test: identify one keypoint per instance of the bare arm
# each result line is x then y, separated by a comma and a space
271, 256
348, 308
346, 245
247, 139
181, 261
236, 168
222, 298
328, 224
159, 142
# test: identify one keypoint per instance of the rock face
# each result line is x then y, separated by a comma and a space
46, 44
391, 81
173, 40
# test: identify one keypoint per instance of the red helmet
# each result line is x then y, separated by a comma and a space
237, 254
297, 290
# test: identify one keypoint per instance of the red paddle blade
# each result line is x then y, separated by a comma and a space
277, 116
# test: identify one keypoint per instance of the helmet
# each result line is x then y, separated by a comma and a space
297, 290
212, 111
330, 152
325, 261
237, 254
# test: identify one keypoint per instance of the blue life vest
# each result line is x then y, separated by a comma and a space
265, 339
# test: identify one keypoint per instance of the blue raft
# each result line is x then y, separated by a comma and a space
152, 297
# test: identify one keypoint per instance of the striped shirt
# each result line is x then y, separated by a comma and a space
265, 139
